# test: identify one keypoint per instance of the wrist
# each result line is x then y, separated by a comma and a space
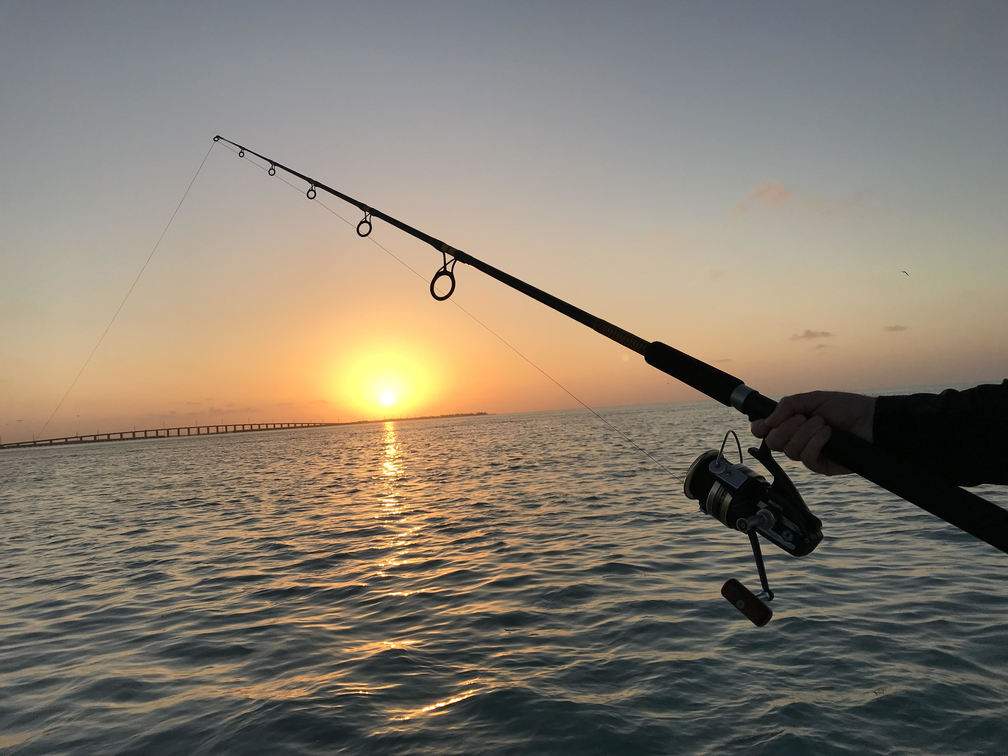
866, 428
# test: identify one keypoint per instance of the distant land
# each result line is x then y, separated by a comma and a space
185, 431
415, 417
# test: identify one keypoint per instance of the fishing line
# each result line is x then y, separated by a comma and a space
129, 291
271, 170
731, 493
790, 525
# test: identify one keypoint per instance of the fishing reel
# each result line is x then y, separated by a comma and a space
741, 499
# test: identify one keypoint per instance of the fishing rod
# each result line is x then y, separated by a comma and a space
732, 493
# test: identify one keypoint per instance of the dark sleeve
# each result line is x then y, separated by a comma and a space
961, 435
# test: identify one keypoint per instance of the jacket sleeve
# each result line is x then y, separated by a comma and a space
961, 435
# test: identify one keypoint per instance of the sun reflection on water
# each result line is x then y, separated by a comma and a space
392, 466
393, 513
473, 687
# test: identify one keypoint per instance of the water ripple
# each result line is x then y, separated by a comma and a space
514, 583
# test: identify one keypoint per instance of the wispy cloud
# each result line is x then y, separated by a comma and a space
809, 335
896, 328
305, 404
230, 408
775, 195
767, 194
821, 346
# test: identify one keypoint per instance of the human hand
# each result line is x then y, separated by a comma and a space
802, 423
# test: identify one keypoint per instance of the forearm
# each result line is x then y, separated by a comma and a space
958, 434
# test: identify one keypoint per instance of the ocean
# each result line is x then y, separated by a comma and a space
515, 583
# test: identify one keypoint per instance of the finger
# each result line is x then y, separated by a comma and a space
781, 413
811, 455
778, 438
796, 445
822, 464
804, 404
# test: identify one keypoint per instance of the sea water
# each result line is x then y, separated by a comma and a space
515, 583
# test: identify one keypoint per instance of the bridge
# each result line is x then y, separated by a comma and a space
180, 431
212, 430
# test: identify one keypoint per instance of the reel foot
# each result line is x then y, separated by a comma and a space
746, 602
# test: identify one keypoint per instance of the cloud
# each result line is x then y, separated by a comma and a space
307, 403
896, 328
767, 194
773, 194
808, 335
230, 408
821, 346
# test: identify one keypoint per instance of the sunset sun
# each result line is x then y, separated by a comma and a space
388, 390
377, 380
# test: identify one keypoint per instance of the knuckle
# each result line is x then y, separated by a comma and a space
811, 455
810, 458
794, 451
795, 424
776, 439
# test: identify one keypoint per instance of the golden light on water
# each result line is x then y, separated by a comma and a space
391, 466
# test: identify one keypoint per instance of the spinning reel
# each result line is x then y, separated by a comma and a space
741, 499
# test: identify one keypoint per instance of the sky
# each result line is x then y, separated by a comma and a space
745, 181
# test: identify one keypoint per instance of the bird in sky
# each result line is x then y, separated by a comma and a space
905, 273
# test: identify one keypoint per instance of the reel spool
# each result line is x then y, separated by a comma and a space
743, 500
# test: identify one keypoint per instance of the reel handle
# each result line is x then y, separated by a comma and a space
746, 602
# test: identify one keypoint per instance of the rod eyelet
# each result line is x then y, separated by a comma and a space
364, 228
217, 138
272, 170
311, 193
241, 153
442, 273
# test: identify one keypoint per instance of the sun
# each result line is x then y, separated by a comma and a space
379, 378
388, 389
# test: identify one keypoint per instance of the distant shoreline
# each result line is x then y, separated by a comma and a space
190, 431
417, 417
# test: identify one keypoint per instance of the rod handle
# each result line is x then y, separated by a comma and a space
705, 378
